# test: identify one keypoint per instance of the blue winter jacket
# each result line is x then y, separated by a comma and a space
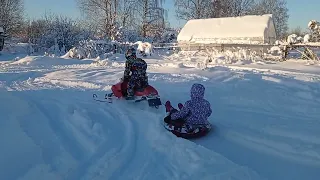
197, 110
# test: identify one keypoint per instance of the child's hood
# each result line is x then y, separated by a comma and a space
197, 91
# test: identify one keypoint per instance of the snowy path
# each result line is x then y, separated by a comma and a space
267, 125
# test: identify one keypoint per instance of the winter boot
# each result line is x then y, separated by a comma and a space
168, 106
130, 95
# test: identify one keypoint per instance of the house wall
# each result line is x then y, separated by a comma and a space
226, 40
270, 35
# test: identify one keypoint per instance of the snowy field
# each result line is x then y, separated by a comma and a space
266, 117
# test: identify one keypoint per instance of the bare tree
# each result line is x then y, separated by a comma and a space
110, 15
103, 13
297, 30
198, 9
151, 16
51, 30
11, 15
126, 13
192, 9
240, 7
279, 10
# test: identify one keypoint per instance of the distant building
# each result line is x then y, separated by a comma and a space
1, 38
253, 29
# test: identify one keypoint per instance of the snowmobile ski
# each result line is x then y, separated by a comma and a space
153, 100
106, 99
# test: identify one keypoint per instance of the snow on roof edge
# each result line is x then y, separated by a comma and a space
235, 17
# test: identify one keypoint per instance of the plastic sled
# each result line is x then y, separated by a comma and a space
149, 93
196, 132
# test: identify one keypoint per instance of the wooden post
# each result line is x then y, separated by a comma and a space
1, 42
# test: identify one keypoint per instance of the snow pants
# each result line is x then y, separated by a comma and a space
177, 122
135, 84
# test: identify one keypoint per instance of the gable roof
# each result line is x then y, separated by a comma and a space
229, 27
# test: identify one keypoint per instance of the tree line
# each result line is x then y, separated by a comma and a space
127, 20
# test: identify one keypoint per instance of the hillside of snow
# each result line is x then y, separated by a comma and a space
265, 114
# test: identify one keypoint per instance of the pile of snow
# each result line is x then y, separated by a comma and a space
46, 61
201, 59
275, 51
238, 56
307, 38
314, 25
104, 49
96, 49
240, 30
144, 48
294, 39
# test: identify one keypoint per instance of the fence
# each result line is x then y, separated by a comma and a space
259, 49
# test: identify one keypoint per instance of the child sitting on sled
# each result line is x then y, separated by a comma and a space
194, 113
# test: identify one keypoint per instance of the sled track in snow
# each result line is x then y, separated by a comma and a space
121, 151
111, 157
111, 160
135, 145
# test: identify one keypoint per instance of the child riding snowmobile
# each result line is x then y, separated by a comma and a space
138, 79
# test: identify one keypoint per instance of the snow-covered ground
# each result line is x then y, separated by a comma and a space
266, 117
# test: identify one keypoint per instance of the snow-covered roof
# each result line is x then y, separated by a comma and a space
245, 27
1, 30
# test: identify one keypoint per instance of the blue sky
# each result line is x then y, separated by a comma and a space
300, 14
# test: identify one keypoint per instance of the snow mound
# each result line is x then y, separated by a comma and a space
145, 48
294, 39
214, 57
48, 61
313, 25
306, 38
